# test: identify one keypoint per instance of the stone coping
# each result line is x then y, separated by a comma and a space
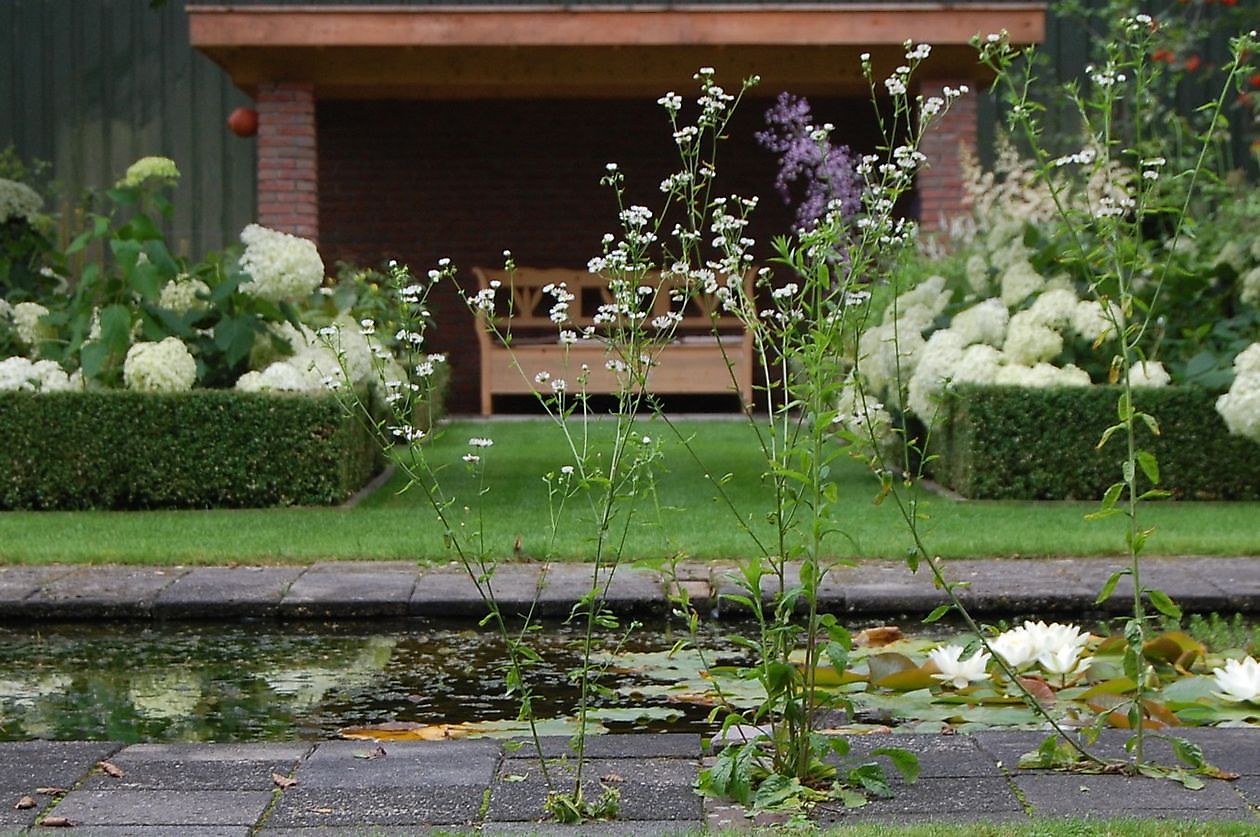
351, 589
354, 787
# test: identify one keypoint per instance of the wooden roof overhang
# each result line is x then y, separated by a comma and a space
527, 51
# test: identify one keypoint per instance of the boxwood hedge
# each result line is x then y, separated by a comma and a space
1016, 443
130, 450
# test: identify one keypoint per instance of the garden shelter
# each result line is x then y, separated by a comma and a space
424, 131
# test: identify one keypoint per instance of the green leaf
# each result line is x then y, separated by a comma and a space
235, 337
92, 358
1150, 466
116, 328
1112, 496
937, 612
1161, 602
1110, 586
1151, 424
1189, 752
903, 761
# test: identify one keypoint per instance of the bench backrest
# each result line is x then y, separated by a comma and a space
530, 307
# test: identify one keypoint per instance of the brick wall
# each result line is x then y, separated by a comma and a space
288, 166
418, 181
940, 186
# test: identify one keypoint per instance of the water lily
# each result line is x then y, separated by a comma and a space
1065, 661
1015, 647
958, 673
1238, 681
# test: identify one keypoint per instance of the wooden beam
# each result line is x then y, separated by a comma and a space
434, 26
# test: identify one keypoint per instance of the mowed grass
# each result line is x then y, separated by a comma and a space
679, 514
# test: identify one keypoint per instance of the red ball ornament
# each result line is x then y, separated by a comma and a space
243, 122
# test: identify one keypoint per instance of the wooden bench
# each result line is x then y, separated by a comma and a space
710, 355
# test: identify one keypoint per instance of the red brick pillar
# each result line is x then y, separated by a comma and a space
940, 184
288, 163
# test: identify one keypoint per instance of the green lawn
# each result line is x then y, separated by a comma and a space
683, 517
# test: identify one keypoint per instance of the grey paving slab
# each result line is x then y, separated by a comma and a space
1238, 578
939, 755
362, 807
152, 831
1248, 787
17, 583
225, 592
353, 589
56, 764
627, 590
929, 799
650, 789
13, 819
457, 764
200, 766
612, 828
448, 591
1025, 586
101, 593
1080, 795
164, 807
638, 745
362, 831
885, 587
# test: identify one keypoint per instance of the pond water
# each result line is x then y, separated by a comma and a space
279, 681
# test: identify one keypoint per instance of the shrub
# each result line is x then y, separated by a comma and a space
1017, 443
131, 450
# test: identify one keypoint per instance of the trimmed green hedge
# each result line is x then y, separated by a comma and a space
1015, 443
130, 450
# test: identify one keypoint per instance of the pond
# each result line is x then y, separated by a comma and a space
279, 681
260, 681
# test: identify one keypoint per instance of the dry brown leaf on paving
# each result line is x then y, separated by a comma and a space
24, 804
612, 778
58, 822
378, 753
111, 769
52, 791
283, 782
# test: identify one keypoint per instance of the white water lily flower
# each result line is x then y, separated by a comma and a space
956, 672
1238, 681
1065, 661
1015, 647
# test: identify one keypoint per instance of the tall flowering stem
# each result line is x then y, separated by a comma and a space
399, 429
1109, 241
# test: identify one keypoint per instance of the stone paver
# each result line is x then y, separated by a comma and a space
101, 593
348, 589
1081, 795
164, 807
228, 767
226, 592
651, 789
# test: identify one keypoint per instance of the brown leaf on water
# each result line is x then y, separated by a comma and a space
24, 804
1039, 689
404, 731
111, 769
58, 822
878, 636
283, 782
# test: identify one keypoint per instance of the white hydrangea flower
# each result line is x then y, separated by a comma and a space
1148, 373
1055, 307
1240, 407
1089, 319
37, 376
1019, 281
977, 271
1250, 294
922, 303
281, 266
279, 377
1028, 342
180, 294
160, 367
30, 331
984, 322
1233, 255
159, 169
1248, 360
979, 364
18, 202
939, 357
878, 351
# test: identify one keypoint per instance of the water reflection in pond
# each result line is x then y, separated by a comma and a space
274, 681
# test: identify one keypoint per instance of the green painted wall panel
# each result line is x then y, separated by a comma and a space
91, 85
